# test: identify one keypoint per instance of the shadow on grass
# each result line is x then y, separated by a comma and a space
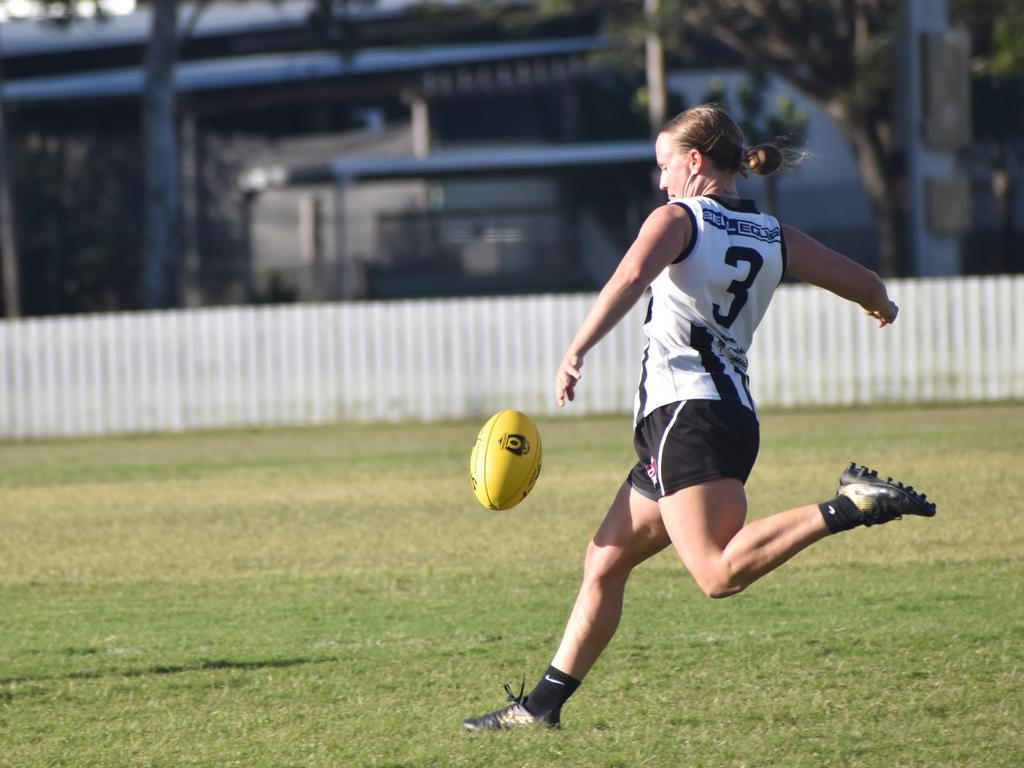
165, 669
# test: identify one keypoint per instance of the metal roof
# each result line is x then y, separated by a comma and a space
275, 69
490, 160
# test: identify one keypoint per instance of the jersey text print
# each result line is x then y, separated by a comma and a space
705, 306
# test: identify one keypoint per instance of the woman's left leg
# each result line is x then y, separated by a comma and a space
705, 523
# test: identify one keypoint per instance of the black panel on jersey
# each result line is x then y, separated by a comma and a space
745, 380
700, 340
643, 362
785, 262
741, 205
693, 237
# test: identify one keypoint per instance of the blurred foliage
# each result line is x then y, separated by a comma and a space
996, 29
1008, 46
78, 237
329, 20
786, 125
843, 55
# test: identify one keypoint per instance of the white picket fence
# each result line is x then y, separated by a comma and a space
956, 339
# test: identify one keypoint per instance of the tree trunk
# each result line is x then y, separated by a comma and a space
882, 176
891, 230
1003, 189
160, 157
8, 235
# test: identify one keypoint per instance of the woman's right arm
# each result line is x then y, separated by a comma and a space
817, 264
661, 239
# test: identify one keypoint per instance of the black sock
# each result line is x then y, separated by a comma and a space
840, 514
552, 691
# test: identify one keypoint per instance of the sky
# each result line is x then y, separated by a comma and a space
26, 9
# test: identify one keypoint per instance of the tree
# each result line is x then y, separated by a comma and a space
161, 251
785, 127
161, 199
160, 156
840, 53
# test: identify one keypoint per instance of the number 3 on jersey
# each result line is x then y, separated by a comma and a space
738, 288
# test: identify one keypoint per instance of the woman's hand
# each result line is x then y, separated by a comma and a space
663, 236
885, 316
567, 376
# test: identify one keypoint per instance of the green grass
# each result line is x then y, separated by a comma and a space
335, 597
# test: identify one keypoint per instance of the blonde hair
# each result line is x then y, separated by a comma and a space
710, 130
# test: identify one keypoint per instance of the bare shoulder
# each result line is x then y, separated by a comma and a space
671, 212
665, 233
670, 223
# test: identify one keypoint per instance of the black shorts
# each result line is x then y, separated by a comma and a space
693, 442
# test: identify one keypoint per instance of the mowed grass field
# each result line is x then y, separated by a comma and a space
336, 597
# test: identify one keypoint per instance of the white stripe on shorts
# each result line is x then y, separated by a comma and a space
664, 438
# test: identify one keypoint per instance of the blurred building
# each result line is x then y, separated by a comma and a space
397, 166
394, 153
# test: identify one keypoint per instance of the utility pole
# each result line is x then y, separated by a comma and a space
655, 63
934, 87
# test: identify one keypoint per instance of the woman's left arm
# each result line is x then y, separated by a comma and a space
663, 236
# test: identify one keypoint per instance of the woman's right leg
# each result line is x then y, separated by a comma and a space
631, 532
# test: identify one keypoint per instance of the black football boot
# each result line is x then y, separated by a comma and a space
515, 715
880, 501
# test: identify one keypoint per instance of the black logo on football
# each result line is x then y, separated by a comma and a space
516, 444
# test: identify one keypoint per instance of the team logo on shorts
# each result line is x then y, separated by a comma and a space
516, 444
652, 470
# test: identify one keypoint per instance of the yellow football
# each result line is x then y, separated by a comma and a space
505, 462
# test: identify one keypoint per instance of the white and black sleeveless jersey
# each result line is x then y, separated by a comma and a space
705, 306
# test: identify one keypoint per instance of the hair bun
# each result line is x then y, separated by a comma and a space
763, 159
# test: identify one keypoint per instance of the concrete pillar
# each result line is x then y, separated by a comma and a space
420, 115
939, 194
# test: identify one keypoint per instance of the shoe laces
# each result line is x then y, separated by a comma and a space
511, 696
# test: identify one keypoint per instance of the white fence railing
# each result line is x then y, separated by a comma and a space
956, 339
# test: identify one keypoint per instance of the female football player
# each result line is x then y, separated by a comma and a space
712, 262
